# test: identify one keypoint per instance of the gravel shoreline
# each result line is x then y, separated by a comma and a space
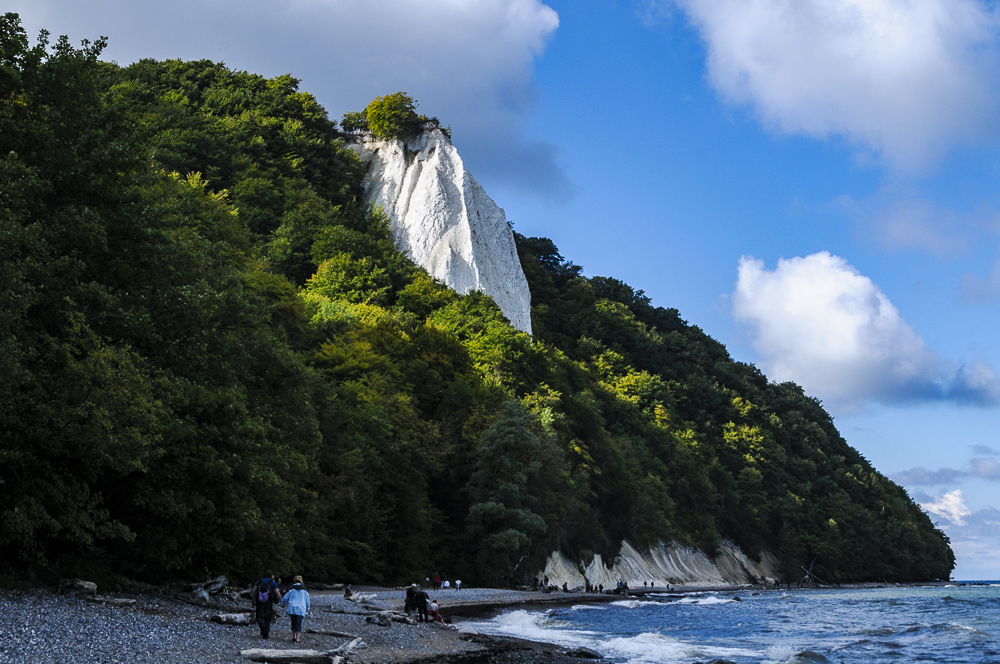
42, 627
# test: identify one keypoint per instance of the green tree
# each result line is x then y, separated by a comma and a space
500, 517
394, 116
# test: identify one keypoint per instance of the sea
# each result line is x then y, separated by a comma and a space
946, 623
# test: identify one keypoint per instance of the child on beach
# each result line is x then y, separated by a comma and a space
297, 602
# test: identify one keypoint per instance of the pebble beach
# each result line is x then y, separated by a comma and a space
42, 627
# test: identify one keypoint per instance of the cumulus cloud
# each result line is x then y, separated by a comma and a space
469, 62
906, 79
950, 506
819, 322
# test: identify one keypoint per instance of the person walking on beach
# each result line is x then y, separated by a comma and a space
297, 602
264, 595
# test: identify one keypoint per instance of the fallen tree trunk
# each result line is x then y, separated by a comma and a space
296, 656
348, 648
212, 586
330, 632
111, 601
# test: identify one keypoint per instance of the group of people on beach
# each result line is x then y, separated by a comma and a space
419, 602
265, 594
437, 583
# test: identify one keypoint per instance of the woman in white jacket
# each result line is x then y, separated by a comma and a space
296, 601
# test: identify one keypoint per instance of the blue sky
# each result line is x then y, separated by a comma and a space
813, 183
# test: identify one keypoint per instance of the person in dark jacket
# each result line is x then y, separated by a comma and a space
409, 606
264, 595
420, 598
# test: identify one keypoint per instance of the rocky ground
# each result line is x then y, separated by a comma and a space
42, 627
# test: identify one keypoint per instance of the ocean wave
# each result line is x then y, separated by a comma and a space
787, 654
878, 631
646, 648
588, 607
917, 629
705, 600
633, 603
652, 647
533, 626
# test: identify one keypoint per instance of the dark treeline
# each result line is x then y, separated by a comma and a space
212, 356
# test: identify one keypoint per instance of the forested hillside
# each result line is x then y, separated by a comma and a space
213, 356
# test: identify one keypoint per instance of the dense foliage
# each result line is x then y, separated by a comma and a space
391, 116
213, 356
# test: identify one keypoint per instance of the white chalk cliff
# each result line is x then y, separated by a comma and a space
664, 565
444, 219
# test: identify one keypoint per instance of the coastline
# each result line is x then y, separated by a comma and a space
41, 626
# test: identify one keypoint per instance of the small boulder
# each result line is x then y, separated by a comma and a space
583, 653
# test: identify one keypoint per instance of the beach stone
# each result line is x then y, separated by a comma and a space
583, 653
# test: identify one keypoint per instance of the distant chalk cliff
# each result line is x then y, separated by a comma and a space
444, 219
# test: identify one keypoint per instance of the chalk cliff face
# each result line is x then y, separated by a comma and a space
444, 220
666, 565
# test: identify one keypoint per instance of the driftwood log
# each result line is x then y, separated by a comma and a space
330, 632
111, 601
212, 586
383, 618
335, 656
77, 587
348, 648
233, 618
296, 656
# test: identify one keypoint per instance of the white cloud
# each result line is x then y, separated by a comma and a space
951, 506
974, 534
469, 62
906, 79
819, 322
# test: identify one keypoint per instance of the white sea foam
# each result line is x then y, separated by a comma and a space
535, 626
632, 603
705, 600
780, 653
652, 647
588, 607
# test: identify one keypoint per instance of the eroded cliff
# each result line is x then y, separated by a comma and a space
444, 220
